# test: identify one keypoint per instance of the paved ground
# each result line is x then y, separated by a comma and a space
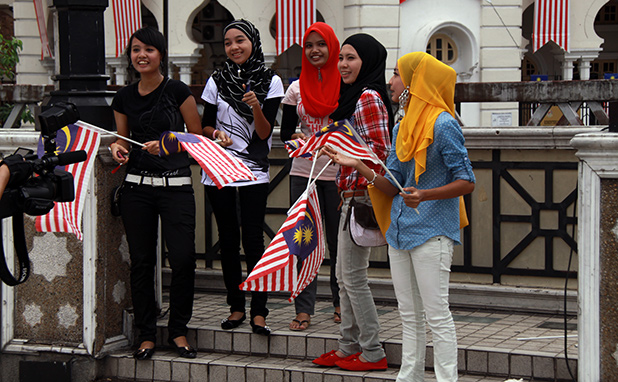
476, 328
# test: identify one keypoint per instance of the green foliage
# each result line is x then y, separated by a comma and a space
5, 110
9, 56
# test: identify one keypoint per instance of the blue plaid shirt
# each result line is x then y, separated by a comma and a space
447, 161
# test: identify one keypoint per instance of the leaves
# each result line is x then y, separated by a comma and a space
9, 56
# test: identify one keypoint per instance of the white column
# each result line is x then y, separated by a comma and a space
119, 67
185, 65
598, 159
567, 68
584, 69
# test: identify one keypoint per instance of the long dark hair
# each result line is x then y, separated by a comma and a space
148, 36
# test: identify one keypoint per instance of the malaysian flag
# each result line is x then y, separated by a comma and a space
39, 10
300, 238
551, 22
342, 137
66, 217
294, 145
293, 19
218, 164
127, 19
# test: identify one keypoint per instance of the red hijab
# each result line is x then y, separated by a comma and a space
320, 97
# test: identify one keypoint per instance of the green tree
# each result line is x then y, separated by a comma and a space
9, 57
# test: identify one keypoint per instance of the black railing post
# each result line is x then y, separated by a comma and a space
80, 61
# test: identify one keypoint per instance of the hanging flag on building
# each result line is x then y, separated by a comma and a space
342, 137
293, 19
67, 217
221, 167
39, 10
301, 237
127, 19
551, 22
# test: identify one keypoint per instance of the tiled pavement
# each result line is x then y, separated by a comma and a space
489, 345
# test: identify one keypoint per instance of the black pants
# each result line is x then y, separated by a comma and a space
226, 203
141, 207
328, 196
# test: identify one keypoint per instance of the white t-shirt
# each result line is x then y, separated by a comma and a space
308, 125
246, 146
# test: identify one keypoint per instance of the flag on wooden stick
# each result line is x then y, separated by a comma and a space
342, 137
218, 164
301, 237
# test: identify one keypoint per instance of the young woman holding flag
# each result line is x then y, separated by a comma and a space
429, 159
156, 187
242, 100
311, 99
365, 103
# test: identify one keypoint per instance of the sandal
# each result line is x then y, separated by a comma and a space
337, 317
301, 324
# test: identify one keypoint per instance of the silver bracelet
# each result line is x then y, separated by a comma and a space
372, 181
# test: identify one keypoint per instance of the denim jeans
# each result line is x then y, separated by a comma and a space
421, 280
359, 318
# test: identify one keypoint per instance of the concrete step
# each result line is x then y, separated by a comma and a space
217, 367
461, 295
489, 342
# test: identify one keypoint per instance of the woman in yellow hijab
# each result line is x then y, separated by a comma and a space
429, 160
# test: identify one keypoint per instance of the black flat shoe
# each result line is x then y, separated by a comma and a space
183, 351
228, 324
262, 330
142, 354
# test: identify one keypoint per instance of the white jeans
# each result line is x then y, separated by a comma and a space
421, 279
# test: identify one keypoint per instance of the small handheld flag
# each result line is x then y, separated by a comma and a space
218, 164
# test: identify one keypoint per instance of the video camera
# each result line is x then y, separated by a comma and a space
36, 195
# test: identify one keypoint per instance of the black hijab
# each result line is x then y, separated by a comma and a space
231, 78
370, 76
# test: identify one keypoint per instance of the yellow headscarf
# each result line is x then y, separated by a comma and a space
432, 90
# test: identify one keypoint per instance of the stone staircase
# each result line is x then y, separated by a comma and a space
490, 348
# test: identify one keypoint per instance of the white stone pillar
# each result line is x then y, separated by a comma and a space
567, 68
185, 65
584, 69
119, 66
597, 235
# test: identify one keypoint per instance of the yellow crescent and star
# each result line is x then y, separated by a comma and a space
304, 235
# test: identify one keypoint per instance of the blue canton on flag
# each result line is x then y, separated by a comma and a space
342, 137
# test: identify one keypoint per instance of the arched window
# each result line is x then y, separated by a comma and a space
443, 48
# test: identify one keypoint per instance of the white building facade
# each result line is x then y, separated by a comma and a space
483, 40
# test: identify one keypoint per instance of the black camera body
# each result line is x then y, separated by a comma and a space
35, 184
36, 194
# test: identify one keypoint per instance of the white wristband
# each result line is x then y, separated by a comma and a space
214, 134
372, 181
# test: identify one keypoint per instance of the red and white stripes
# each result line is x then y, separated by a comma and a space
67, 217
293, 19
127, 19
551, 22
39, 10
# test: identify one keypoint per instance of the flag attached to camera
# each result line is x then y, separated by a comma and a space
67, 217
218, 164
300, 238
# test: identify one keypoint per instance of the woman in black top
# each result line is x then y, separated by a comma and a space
156, 187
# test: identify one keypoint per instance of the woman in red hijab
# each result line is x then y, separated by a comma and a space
306, 108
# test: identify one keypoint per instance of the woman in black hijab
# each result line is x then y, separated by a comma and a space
365, 103
242, 100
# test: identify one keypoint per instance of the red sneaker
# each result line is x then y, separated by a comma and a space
355, 364
329, 359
